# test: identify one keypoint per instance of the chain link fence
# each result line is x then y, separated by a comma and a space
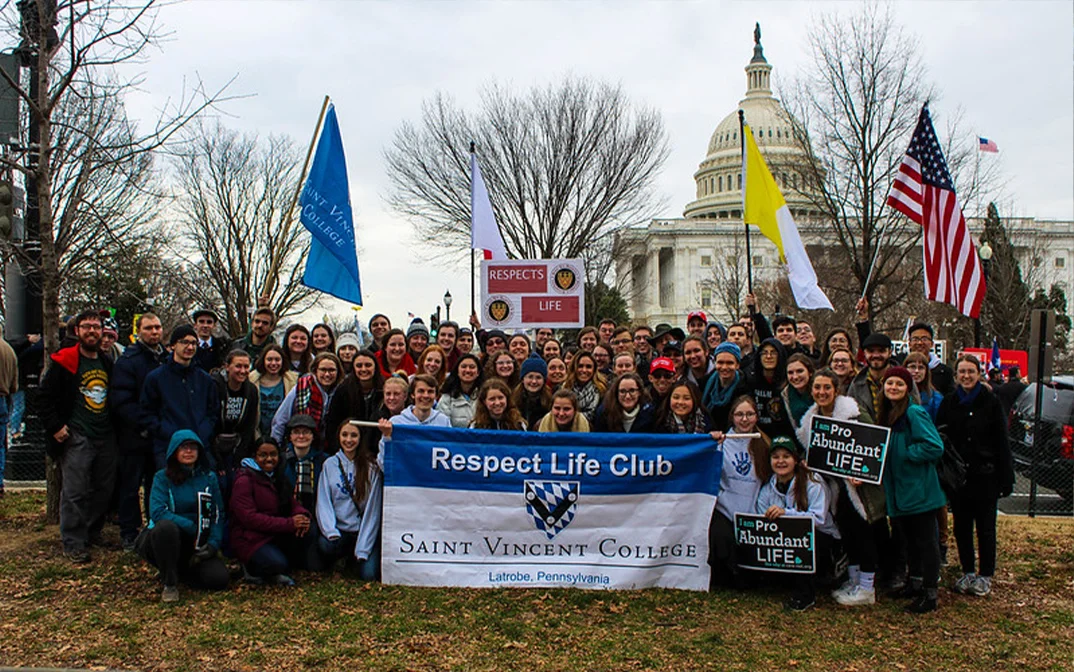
1043, 454
26, 442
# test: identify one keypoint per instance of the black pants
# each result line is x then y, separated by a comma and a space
858, 536
724, 571
89, 472
169, 549
976, 507
920, 534
805, 585
135, 471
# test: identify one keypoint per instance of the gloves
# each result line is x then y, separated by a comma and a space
1005, 490
204, 553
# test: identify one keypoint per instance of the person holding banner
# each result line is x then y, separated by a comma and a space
974, 421
746, 467
912, 486
349, 504
186, 522
532, 397
393, 357
495, 410
792, 490
460, 389
682, 412
421, 412
859, 507
565, 415
626, 408
585, 381
296, 341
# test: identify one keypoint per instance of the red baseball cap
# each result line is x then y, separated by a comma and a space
699, 314
662, 364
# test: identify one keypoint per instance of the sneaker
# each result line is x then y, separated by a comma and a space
284, 580
170, 594
922, 605
963, 584
247, 577
799, 603
857, 597
128, 544
78, 556
981, 586
848, 586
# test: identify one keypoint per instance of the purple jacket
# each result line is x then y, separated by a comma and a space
255, 513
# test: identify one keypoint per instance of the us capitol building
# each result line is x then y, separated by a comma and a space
668, 267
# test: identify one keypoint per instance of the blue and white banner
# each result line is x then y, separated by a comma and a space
490, 509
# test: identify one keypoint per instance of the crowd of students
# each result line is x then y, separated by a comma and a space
249, 449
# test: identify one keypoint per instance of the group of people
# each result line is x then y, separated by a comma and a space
268, 452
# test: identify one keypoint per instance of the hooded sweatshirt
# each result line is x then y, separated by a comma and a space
407, 417
816, 494
336, 510
179, 503
772, 418
739, 482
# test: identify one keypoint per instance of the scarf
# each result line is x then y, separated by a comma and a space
691, 424
629, 417
588, 397
965, 398
310, 399
716, 396
799, 403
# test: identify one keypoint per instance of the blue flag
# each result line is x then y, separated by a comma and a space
332, 266
996, 362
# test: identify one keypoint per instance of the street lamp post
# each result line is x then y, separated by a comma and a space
447, 304
985, 252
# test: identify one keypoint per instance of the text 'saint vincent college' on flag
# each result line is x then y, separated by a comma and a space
766, 209
332, 265
924, 192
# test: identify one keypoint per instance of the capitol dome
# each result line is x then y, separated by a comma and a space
719, 175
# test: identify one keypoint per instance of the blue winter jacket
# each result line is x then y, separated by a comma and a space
128, 376
179, 503
178, 397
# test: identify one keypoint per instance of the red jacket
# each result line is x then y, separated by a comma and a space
256, 518
407, 365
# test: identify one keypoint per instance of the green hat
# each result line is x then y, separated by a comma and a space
786, 443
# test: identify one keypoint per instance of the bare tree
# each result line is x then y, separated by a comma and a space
233, 194
854, 109
728, 280
565, 166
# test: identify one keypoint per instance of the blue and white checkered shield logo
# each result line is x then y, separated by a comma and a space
552, 504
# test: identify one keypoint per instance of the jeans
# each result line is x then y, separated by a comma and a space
17, 406
135, 471
919, 533
343, 547
89, 472
170, 550
283, 555
975, 507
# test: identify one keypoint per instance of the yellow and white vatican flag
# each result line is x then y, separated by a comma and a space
765, 208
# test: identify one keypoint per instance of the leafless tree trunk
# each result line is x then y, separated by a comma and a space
728, 280
233, 192
73, 47
565, 166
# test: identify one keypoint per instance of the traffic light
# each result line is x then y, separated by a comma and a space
434, 323
7, 208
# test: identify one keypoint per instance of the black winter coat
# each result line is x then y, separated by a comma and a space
58, 393
128, 375
349, 401
978, 431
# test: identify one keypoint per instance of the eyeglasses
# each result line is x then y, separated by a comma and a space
662, 375
630, 392
920, 339
190, 343
742, 415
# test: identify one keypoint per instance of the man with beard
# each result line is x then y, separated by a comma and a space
867, 387
260, 336
78, 430
136, 463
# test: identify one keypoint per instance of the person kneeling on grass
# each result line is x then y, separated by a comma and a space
348, 504
270, 530
793, 491
186, 523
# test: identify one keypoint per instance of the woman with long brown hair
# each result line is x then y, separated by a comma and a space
495, 410
585, 381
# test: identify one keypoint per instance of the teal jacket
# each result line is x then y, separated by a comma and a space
910, 480
179, 503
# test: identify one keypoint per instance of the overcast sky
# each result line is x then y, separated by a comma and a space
1007, 64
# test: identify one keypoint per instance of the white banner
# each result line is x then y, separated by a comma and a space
492, 509
533, 293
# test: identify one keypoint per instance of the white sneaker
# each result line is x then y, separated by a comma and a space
981, 586
963, 585
857, 596
848, 586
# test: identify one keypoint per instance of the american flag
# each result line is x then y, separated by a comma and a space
986, 145
924, 192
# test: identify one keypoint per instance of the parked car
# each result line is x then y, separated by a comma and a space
1050, 460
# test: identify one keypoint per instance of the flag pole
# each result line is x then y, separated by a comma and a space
277, 255
749, 255
872, 265
473, 289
